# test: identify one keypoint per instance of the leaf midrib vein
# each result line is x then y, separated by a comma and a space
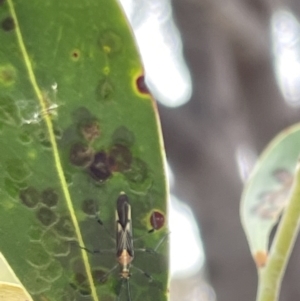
57, 161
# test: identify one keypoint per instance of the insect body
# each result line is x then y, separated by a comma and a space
124, 241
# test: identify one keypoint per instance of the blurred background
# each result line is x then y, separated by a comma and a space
226, 75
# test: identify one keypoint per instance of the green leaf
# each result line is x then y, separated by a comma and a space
77, 127
267, 191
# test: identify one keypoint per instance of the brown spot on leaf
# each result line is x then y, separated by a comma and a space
266, 212
90, 207
81, 155
46, 216
30, 197
64, 228
260, 258
104, 89
271, 203
120, 158
90, 130
49, 197
81, 113
99, 276
80, 283
283, 176
7, 75
157, 220
58, 133
138, 171
99, 169
141, 85
123, 136
75, 54
110, 42
8, 24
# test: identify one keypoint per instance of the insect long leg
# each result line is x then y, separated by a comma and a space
154, 251
161, 241
99, 221
143, 272
128, 290
98, 251
142, 236
108, 273
103, 250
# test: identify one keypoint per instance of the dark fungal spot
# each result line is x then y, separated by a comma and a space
90, 207
104, 90
9, 111
17, 170
11, 188
46, 144
2, 2
54, 245
123, 136
7, 77
58, 133
76, 264
49, 197
68, 177
80, 283
24, 137
90, 130
141, 85
65, 294
29, 197
283, 176
41, 135
99, 276
110, 42
35, 233
46, 216
8, 24
85, 290
75, 55
43, 138
81, 113
157, 220
81, 155
119, 158
64, 227
99, 169
36, 255
53, 271
138, 171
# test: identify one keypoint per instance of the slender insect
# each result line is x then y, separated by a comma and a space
124, 242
